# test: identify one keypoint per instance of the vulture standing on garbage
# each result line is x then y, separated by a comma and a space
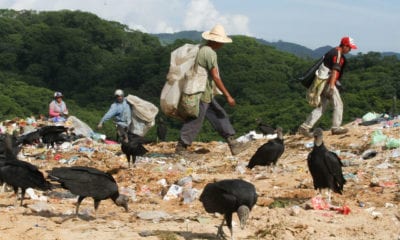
53, 134
29, 138
89, 182
265, 128
13, 141
269, 153
132, 146
325, 166
229, 196
20, 174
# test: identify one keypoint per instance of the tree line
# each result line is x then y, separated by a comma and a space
87, 58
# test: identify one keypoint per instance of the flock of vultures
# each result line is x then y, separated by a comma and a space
225, 197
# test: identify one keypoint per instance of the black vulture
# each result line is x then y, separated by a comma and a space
269, 153
21, 174
13, 144
89, 182
229, 196
265, 128
8, 151
132, 146
52, 134
325, 166
161, 130
29, 138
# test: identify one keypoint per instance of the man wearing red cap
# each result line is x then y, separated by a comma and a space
330, 70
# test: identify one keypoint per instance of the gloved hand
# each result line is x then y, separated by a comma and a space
329, 92
99, 126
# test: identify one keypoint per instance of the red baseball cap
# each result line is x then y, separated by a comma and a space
348, 41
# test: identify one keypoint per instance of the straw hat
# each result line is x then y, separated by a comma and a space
217, 34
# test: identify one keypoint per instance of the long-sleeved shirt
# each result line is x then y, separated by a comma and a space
122, 113
56, 108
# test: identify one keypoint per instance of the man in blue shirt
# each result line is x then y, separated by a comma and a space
120, 110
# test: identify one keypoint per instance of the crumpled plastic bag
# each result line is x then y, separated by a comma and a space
370, 116
378, 138
392, 143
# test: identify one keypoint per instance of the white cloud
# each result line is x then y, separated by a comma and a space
202, 15
153, 16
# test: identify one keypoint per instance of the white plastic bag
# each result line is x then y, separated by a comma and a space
143, 115
181, 68
143, 109
182, 59
80, 127
170, 96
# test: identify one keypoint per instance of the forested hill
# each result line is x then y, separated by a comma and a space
86, 58
296, 49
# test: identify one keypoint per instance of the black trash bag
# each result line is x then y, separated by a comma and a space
308, 77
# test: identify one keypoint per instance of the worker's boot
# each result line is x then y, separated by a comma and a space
235, 146
305, 131
339, 130
181, 148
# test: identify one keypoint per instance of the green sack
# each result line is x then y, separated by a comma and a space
314, 92
378, 137
189, 105
392, 143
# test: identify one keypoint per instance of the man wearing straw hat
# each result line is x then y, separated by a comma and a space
209, 107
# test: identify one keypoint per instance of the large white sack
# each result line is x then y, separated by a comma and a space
143, 109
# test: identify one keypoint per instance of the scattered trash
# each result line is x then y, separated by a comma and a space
389, 205
153, 215
163, 182
392, 143
395, 153
350, 176
173, 192
129, 192
345, 210
33, 196
85, 149
110, 142
370, 153
203, 220
350, 162
309, 144
370, 116
66, 146
57, 157
70, 161
387, 184
252, 135
294, 210
241, 168
97, 136
189, 195
185, 182
144, 191
40, 206
384, 165
318, 203
378, 138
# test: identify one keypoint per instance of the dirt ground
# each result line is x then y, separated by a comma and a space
283, 209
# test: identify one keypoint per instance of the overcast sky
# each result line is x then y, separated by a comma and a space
312, 23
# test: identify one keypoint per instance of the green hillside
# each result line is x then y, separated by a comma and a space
87, 58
